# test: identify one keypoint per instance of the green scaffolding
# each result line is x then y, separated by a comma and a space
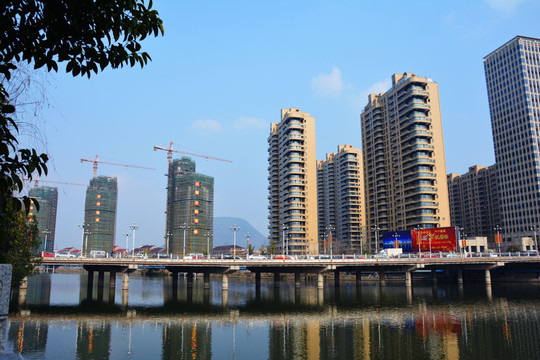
47, 198
190, 209
100, 214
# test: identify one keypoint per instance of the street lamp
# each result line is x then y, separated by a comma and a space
247, 246
208, 244
184, 227
534, 228
284, 228
133, 227
376, 228
168, 241
330, 228
498, 237
126, 234
82, 226
417, 228
234, 229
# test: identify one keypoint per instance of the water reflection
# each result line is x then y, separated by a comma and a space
348, 322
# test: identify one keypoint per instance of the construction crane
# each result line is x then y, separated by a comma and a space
96, 162
36, 183
170, 150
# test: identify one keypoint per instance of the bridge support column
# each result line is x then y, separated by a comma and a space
488, 277
101, 281
90, 285
336, 278
207, 280
434, 276
22, 290
258, 280
408, 279
112, 280
320, 281
460, 277
225, 282
297, 279
125, 281
382, 278
358, 278
276, 279
189, 276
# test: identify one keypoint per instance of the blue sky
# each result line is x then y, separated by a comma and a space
222, 72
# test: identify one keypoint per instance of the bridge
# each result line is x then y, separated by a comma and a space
455, 266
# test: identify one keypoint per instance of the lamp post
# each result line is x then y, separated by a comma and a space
184, 227
330, 228
247, 246
361, 241
133, 228
284, 228
498, 237
534, 228
208, 244
82, 227
234, 229
376, 228
126, 234
168, 241
417, 229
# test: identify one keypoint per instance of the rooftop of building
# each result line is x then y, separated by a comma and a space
516, 38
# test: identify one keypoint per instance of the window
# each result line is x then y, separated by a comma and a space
197, 183
97, 220
195, 232
197, 192
195, 221
98, 203
97, 212
196, 212
196, 203
99, 196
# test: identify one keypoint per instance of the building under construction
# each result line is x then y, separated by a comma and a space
190, 209
47, 198
100, 214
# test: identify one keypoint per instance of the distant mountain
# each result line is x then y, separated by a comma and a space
224, 236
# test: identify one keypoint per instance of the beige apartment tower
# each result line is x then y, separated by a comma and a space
340, 183
292, 168
404, 162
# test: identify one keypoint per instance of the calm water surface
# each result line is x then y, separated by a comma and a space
366, 322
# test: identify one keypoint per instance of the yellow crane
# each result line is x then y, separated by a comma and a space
96, 162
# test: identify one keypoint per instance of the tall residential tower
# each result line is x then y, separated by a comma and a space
293, 183
404, 163
100, 214
47, 198
340, 182
513, 86
190, 209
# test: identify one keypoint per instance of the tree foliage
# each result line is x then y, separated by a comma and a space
85, 35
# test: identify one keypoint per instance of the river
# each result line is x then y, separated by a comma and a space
444, 321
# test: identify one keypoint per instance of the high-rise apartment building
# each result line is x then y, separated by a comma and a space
404, 163
47, 198
190, 209
100, 214
474, 201
293, 183
513, 87
340, 183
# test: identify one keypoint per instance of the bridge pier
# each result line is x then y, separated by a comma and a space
487, 276
90, 285
297, 280
258, 280
434, 276
174, 278
125, 281
336, 278
460, 276
112, 281
382, 278
358, 278
276, 279
225, 282
320, 281
408, 279
207, 280
189, 276
101, 281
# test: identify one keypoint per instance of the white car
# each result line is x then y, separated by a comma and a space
257, 257
65, 254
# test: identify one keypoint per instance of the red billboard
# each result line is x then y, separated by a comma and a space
438, 239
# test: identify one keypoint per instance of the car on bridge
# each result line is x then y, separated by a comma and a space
46, 254
282, 257
194, 257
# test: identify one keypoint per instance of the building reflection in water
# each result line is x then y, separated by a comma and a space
285, 323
